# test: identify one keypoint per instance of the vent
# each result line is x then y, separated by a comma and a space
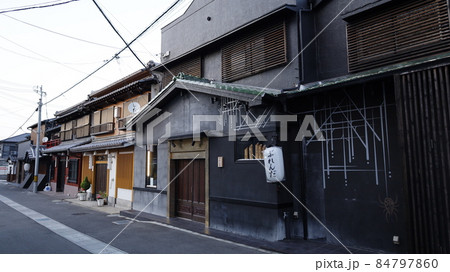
254, 52
405, 31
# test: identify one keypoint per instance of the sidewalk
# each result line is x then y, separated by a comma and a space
293, 246
87, 204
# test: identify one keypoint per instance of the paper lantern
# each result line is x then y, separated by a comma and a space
274, 164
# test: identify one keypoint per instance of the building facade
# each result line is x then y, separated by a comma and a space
9, 156
205, 131
96, 144
370, 163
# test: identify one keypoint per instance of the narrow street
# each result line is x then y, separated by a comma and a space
36, 223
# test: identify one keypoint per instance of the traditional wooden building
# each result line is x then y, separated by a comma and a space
95, 143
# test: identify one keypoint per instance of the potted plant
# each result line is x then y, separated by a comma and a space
85, 185
101, 198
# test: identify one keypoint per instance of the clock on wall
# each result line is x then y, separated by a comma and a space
134, 107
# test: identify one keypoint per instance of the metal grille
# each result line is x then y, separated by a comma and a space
254, 53
423, 100
191, 67
397, 33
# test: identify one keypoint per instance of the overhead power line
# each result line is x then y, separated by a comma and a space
22, 124
35, 4
61, 34
36, 7
114, 57
51, 60
117, 32
155, 22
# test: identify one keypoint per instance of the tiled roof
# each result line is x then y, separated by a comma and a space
114, 142
251, 94
17, 139
239, 88
65, 146
369, 74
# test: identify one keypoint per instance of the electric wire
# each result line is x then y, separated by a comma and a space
26, 6
62, 34
155, 22
51, 60
23, 123
117, 32
169, 17
117, 54
37, 7
47, 60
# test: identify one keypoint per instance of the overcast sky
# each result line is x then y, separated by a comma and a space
32, 54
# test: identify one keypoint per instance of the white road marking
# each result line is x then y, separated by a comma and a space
80, 239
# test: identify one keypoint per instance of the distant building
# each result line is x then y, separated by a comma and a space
9, 152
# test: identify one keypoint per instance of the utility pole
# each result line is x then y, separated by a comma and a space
39, 91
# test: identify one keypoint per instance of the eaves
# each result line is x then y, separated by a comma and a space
373, 74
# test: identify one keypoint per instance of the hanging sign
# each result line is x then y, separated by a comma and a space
274, 164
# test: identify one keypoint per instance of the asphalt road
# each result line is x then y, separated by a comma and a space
39, 224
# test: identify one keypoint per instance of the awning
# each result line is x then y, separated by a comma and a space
65, 146
108, 143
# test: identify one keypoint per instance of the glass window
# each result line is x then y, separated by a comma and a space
151, 166
73, 171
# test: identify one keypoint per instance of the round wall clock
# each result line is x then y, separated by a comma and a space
134, 107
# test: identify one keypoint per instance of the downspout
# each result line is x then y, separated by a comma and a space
302, 5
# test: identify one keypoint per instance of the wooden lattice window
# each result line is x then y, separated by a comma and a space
254, 52
401, 31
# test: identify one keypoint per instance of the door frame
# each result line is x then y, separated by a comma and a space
182, 150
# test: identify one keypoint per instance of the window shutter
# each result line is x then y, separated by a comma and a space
96, 118
107, 115
407, 30
191, 67
254, 52
83, 121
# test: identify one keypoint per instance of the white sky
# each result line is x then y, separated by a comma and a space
33, 57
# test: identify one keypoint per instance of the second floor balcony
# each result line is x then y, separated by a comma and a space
102, 128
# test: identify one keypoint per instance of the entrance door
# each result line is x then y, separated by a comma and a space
190, 190
61, 176
100, 177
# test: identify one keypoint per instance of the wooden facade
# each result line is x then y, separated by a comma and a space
423, 99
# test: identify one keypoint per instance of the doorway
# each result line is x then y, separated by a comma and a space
61, 176
190, 189
100, 177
